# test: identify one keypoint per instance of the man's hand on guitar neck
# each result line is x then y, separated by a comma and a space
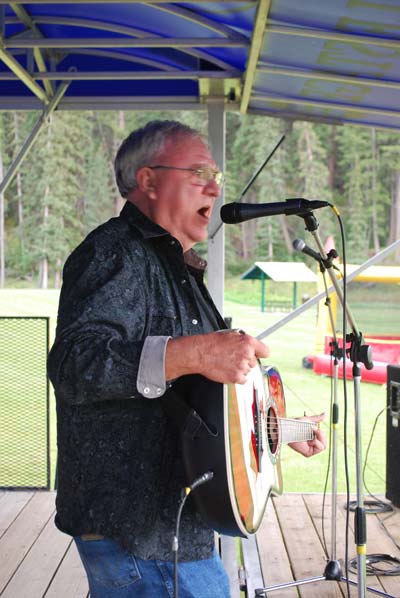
315, 446
225, 356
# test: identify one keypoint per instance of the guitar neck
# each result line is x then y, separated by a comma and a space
294, 430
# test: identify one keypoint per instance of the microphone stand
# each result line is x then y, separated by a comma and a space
359, 352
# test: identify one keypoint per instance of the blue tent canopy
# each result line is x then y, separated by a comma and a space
335, 62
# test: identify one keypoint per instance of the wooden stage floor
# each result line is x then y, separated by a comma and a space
37, 561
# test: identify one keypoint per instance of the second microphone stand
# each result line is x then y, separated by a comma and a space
358, 353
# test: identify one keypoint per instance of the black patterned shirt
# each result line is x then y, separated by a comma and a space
120, 469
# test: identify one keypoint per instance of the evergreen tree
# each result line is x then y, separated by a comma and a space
66, 185
357, 169
388, 188
250, 141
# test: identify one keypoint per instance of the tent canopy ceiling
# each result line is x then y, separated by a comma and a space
335, 62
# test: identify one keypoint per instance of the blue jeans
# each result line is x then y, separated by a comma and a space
114, 573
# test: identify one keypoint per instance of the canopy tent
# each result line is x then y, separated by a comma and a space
334, 62
279, 272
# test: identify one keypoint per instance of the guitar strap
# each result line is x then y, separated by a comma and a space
185, 417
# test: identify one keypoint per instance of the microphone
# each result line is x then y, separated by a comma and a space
299, 245
232, 213
206, 477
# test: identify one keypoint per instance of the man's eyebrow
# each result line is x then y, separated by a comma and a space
196, 166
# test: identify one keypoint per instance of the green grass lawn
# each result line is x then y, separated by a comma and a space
304, 390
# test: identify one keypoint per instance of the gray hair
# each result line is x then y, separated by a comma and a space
142, 146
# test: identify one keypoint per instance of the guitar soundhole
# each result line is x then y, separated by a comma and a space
272, 430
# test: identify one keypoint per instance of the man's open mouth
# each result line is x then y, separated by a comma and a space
205, 212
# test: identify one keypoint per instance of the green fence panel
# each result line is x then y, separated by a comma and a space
24, 403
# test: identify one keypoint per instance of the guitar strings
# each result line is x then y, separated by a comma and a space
281, 428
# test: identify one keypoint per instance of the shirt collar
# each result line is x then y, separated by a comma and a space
144, 225
150, 229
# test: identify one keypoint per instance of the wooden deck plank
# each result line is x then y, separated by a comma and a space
378, 542
274, 559
39, 565
314, 504
10, 505
252, 567
391, 523
70, 580
36, 557
229, 556
22, 533
304, 547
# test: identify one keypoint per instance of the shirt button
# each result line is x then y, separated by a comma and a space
194, 321
172, 242
146, 390
158, 391
183, 281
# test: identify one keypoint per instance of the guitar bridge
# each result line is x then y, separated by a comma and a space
257, 436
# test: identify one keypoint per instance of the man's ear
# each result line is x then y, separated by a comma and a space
146, 181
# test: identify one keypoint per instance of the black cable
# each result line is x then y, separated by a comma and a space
345, 415
371, 506
330, 440
371, 559
380, 506
370, 564
376, 505
206, 477
325, 491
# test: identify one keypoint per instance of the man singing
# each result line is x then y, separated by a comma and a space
135, 322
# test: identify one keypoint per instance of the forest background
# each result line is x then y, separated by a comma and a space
66, 186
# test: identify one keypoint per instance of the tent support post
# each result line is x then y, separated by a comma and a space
33, 136
294, 304
262, 291
216, 261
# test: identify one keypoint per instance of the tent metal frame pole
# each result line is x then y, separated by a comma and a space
33, 136
216, 258
262, 292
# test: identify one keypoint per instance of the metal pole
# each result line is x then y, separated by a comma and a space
262, 291
360, 522
360, 527
335, 423
215, 255
33, 136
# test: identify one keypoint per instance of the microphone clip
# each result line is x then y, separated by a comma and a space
324, 264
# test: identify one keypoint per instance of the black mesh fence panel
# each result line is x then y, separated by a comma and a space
24, 403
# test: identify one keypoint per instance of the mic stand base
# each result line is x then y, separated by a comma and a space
333, 571
263, 592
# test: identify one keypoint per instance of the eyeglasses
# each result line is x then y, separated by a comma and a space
203, 175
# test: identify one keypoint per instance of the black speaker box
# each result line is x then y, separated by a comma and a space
393, 435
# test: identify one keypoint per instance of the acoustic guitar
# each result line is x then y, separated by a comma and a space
244, 428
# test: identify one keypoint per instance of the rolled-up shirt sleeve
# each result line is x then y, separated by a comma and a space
151, 381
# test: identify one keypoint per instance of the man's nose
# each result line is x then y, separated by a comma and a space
212, 188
